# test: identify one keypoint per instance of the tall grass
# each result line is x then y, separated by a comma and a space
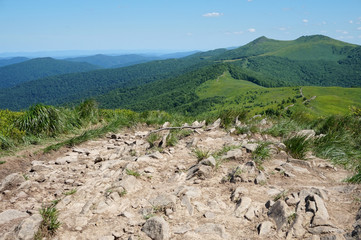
41, 120
297, 146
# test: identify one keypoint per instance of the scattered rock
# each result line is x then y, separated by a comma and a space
28, 227
156, 228
211, 228
279, 212
242, 206
265, 228
11, 214
12, 181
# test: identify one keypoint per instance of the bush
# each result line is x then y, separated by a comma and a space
228, 116
88, 111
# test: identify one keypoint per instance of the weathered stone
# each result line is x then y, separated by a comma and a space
164, 201
156, 228
187, 203
130, 184
149, 170
242, 206
250, 147
210, 215
11, 181
264, 228
215, 125
181, 229
211, 228
201, 171
210, 161
28, 227
279, 213
321, 216
292, 168
261, 178
98, 159
238, 192
61, 160
11, 214
250, 214
235, 154
324, 230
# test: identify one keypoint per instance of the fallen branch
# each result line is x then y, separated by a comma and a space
172, 128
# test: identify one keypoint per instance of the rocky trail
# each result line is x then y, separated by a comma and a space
119, 188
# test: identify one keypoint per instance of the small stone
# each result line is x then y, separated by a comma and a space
98, 159
181, 229
210, 161
261, 178
264, 228
279, 212
211, 228
210, 215
238, 192
149, 170
242, 206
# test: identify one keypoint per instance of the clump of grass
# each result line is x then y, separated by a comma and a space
132, 173
281, 195
172, 140
201, 154
152, 139
88, 111
283, 128
261, 154
41, 119
123, 193
49, 224
71, 192
291, 218
2, 162
5, 143
228, 116
242, 130
297, 146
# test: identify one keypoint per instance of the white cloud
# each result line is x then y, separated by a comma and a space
251, 30
350, 21
282, 29
240, 32
324, 22
342, 31
359, 28
212, 14
305, 20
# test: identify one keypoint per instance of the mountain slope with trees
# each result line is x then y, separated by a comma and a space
307, 61
15, 74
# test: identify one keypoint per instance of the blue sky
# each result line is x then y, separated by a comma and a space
48, 25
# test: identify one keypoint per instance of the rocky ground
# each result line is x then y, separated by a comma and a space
118, 188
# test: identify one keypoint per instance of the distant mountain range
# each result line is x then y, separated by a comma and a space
172, 84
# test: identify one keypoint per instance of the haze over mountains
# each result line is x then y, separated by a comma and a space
170, 84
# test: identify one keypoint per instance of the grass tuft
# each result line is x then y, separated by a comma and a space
201, 154
297, 146
49, 224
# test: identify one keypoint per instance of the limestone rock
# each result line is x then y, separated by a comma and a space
156, 228
242, 206
28, 227
12, 181
210, 161
264, 228
279, 212
130, 184
164, 201
211, 228
11, 214
235, 154
238, 192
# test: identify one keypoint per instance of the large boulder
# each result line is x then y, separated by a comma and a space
12, 181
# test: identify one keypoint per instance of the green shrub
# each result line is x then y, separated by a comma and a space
172, 140
297, 146
41, 119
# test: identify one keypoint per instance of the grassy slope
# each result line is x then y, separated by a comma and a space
332, 100
329, 100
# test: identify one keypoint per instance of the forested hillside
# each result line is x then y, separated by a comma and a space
114, 61
9, 61
170, 84
15, 74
